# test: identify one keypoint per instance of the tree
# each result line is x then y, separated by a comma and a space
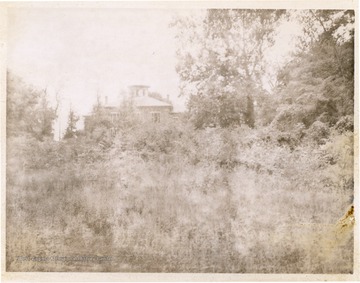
221, 63
28, 110
71, 130
99, 118
318, 84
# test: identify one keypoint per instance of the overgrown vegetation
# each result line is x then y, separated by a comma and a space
256, 197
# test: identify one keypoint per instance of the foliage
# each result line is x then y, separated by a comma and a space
221, 64
28, 110
170, 198
98, 126
210, 195
318, 84
71, 130
334, 25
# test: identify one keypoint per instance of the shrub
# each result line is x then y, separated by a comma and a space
169, 198
318, 132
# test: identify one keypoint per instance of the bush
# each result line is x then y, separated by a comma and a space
169, 198
345, 123
318, 132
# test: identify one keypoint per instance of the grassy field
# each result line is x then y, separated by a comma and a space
173, 199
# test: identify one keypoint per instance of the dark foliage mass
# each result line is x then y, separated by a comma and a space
229, 186
28, 111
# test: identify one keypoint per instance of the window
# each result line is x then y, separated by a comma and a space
155, 117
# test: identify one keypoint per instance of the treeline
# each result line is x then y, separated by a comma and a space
222, 64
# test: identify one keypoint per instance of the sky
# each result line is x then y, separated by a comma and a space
82, 53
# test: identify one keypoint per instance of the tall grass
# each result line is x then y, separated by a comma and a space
172, 199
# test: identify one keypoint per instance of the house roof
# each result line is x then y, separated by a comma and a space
147, 101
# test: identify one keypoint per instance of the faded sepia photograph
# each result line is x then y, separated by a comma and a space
180, 140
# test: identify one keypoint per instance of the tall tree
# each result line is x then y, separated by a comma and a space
28, 110
318, 84
71, 127
221, 63
99, 118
